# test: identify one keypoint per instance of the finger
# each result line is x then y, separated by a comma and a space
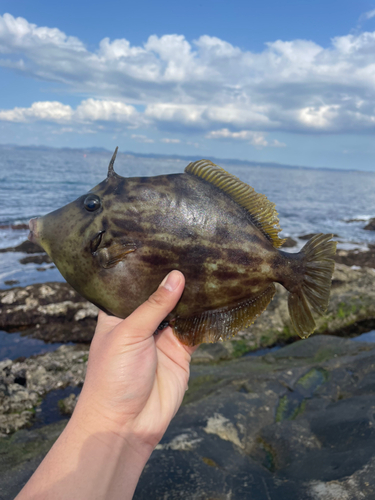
146, 318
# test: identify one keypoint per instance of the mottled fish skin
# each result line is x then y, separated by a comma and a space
171, 222
116, 244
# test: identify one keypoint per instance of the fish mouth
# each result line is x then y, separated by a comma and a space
33, 235
95, 242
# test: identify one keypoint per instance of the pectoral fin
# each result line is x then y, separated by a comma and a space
111, 255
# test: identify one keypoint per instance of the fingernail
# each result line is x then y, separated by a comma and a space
171, 281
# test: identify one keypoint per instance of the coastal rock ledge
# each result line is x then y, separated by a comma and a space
298, 423
52, 312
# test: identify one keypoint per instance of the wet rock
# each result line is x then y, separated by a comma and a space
354, 220
371, 225
25, 247
20, 455
52, 312
295, 429
310, 235
23, 384
306, 236
300, 427
357, 257
289, 242
14, 226
68, 404
36, 259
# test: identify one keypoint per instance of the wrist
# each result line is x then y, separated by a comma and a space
109, 461
88, 462
94, 419
122, 439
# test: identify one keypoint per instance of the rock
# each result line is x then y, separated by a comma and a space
20, 455
11, 282
357, 257
310, 235
371, 225
36, 259
301, 427
52, 312
306, 236
23, 384
351, 309
354, 220
68, 404
289, 242
14, 226
25, 247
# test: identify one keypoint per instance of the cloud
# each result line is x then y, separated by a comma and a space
256, 139
370, 14
205, 85
142, 138
166, 140
49, 111
104, 110
90, 110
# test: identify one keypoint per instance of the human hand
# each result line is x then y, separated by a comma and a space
135, 380
134, 385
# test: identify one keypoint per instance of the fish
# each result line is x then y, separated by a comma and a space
116, 243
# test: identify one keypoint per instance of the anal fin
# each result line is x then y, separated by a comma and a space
221, 324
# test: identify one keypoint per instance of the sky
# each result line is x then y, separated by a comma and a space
289, 82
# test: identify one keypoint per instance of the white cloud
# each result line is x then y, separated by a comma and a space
49, 111
256, 139
206, 85
370, 14
277, 144
141, 138
365, 17
170, 141
96, 110
73, 130
90, 110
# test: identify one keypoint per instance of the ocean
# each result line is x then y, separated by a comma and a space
35, 181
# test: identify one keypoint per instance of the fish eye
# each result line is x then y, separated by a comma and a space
92, 202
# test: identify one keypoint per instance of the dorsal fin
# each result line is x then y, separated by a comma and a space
262, 212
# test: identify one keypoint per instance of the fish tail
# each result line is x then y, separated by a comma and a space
314, 288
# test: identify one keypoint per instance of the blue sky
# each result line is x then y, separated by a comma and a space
290, 82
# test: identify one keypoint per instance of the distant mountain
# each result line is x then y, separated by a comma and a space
219, 161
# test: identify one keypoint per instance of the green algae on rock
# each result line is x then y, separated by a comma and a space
116, 243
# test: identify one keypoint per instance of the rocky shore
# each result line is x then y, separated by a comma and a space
295, 423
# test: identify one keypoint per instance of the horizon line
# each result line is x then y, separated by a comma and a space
184, 157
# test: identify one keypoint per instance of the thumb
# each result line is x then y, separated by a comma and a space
148, 316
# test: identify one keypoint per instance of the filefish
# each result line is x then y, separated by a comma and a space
117, 242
